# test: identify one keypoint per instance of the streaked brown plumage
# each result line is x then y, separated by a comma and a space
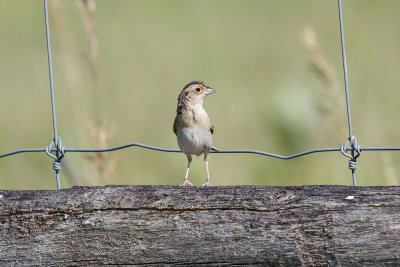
192, 125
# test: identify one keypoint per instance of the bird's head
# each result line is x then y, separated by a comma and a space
194, 93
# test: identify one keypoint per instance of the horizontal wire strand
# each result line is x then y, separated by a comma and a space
243, 151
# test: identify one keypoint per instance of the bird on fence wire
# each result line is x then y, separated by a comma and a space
192, 125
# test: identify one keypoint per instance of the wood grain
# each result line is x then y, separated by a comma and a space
213, 226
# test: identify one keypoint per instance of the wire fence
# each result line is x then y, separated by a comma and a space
57, 151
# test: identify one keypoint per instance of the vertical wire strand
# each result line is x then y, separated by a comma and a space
346, 85
53, 105
346, 82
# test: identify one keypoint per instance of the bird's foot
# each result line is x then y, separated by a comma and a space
207, 183
186, 182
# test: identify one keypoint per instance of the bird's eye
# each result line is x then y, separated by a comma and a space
198, 89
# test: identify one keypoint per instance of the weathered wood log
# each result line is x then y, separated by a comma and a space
245, 225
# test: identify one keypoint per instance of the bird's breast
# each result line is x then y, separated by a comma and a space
194, 140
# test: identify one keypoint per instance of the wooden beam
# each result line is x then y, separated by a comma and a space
246, 225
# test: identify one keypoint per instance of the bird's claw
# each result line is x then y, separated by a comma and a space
186, 182
207, 183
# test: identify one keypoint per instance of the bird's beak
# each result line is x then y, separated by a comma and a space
209, 91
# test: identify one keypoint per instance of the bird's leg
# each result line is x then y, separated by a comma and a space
207, 183
186, 181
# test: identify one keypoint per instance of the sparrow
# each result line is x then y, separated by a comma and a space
192, 126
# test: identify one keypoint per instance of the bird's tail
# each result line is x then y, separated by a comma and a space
213, 148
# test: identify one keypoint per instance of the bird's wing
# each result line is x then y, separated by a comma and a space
174, 127
211, 127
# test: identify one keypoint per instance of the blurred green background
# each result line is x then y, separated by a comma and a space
276, 66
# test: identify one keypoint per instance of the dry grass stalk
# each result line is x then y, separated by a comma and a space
318, 61
87, 9
103, 164
329, 103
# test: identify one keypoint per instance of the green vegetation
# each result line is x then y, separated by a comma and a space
276, 67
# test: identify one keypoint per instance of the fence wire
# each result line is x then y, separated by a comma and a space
57, 151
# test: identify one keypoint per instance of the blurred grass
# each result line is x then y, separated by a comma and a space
252, 52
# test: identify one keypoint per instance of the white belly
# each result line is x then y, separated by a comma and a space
194, 140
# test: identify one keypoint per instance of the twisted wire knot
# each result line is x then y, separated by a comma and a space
60, 152
57, 166
352, 164
352, 141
